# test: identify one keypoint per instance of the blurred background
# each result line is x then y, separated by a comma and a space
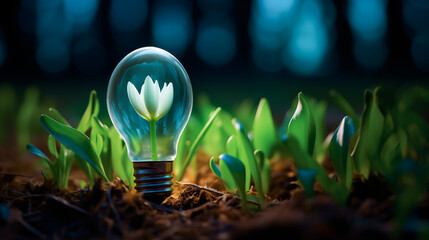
232, 50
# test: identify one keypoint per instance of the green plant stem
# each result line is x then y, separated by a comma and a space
153, 140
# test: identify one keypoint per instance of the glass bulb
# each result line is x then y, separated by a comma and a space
149, 100
164, 68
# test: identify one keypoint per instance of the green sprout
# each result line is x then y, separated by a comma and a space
151, 104
59, 170
244, 150
339, 151
233, 174
193, 149
300, 143
265, 136
103, 153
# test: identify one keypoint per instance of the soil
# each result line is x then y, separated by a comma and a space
33, 208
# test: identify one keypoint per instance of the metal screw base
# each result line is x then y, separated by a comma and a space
153, 179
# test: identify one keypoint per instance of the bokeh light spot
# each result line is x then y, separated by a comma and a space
171, 26
128, 15
308, 46
52, 56
215, 45
367, 18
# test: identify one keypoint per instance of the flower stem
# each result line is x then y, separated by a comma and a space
152, 129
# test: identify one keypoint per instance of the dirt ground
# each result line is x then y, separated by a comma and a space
31, 207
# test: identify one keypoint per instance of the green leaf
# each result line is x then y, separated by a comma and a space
303, 160
97, 142
76, 141
99, 127
345, 106
265, 136
307, 178
366, 151
235, 168
128, 168
245, 112
181, 151
57, 116
319, 114
391, 153
302, 125
91, 110
339, 151
106, 147
63, 165
52, 146
34, 150
215, 168
232, 149
265, 169
226, 176
197, 142
245, 152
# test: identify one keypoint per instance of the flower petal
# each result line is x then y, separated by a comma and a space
165, 101
136, 100
151, 96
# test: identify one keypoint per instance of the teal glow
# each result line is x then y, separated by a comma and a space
368, 18
215, 44
128, 15
171, 26
309, 42
81, 11
165, 68
416, 14
51, 21
52, 56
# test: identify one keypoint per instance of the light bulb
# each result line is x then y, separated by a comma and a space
149, 100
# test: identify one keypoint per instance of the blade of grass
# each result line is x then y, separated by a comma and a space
91, 110
265, 136
302, 125
55, 114
76, 141
197, 142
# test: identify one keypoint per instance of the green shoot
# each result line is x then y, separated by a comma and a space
265, 136
234, 169
59, 170
76, 141
339, 151
370, 132
303, 160
246, 153
196, 143
302, 125
265, 170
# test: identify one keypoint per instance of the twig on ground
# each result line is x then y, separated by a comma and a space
217, 192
